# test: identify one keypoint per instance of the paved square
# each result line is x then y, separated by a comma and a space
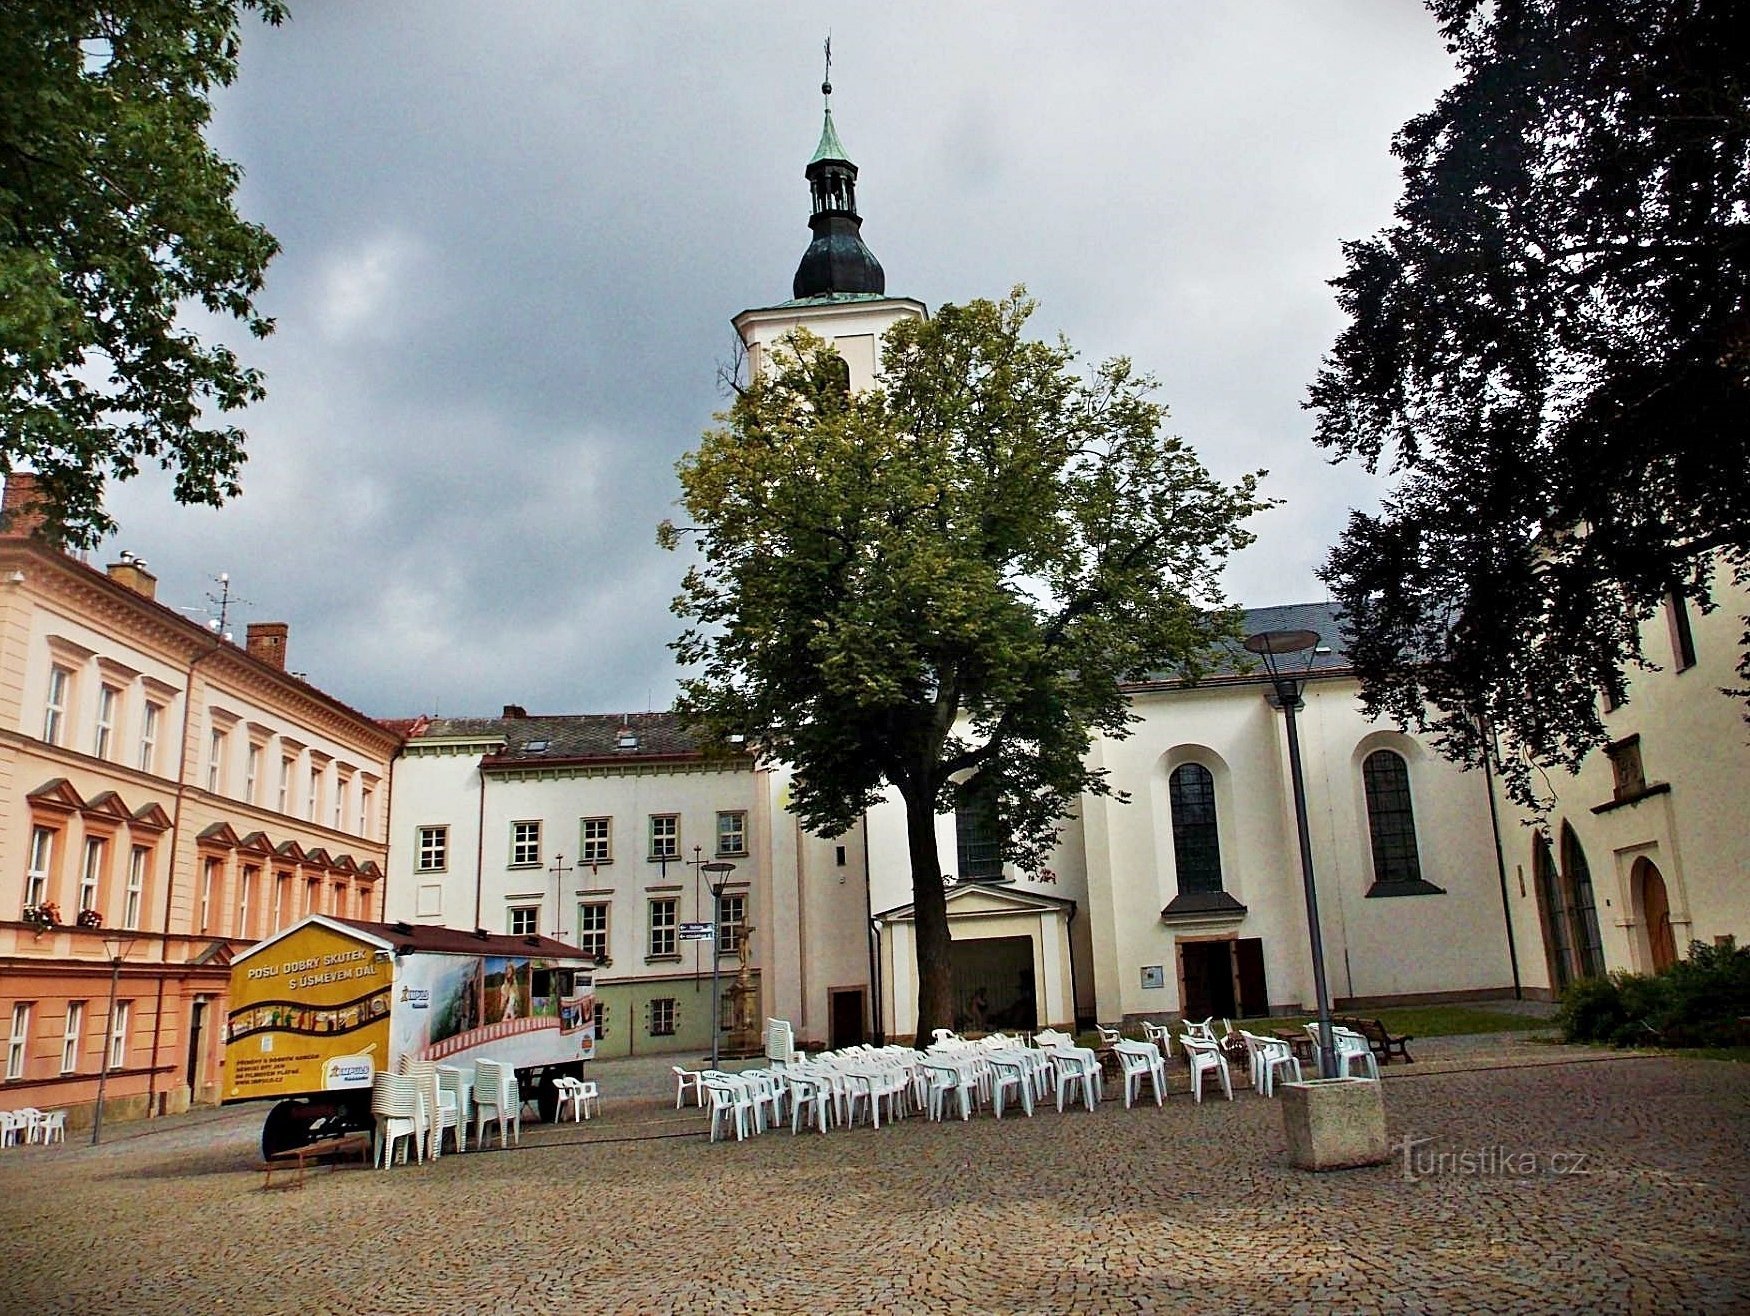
1554, 1179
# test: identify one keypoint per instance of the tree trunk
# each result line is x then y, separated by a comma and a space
930, 903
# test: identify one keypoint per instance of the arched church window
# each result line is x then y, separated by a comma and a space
1582, 908
1391, 818
978, 836
1196, 844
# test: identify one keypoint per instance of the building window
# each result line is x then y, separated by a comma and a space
19, 1040
662, 1016
433, 850
55, 707
367, 802
282, 884
592, 930
313, 803
216, 763
42, 856
525, 920
1682, 637
732, 833
525, 844
665, 836
91, 873
1391, 819
601, 1020
342, 787
245, 892
118, 1034
70, 1036
285, 792
138, 861
731, 924
149, 736
209, 881
251, 773
1196, 845
107, 699
663, 914
596, 845
978, 837
1629, 778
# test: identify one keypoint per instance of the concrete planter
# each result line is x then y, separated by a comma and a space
1334, 1123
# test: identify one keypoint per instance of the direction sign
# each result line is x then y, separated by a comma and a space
696, 932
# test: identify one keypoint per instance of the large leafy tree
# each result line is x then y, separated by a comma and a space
937, 584
116, 216
1551, 348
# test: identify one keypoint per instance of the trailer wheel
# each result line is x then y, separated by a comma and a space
289, 1125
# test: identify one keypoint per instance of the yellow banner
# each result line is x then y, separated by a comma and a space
308, 1014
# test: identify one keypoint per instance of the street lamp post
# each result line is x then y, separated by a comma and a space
117, 949
719, 878
1286, 685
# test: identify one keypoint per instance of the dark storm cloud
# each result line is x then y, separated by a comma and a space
514, 236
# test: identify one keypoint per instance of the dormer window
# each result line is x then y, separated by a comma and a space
535, 747
627, 739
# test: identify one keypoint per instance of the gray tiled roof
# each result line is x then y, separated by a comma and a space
574, 735
1317, 617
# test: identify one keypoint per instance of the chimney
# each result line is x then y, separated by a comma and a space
515, 710
266, 640
20, 517
131, 571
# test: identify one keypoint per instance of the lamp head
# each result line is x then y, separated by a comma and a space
1278, 650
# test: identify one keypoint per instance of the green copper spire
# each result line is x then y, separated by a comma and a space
830, 147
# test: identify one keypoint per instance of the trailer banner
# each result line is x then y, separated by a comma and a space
308, 1015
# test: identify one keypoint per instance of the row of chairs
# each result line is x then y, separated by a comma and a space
27, 1125
417, 1106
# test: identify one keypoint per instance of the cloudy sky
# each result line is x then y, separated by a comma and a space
514, 236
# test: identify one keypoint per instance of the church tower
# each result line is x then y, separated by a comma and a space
840, 289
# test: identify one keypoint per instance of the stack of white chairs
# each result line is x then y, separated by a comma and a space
1140, 1060
1353, 1049
1205, 1057
1275, 1061
497, 1097
1010, 1072
441, 1111
400, 1113
18, 1127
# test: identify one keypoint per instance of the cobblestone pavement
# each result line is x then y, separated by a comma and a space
1594, 1182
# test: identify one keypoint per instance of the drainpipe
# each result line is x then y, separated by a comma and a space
876, 1019
1500, 857
480, 851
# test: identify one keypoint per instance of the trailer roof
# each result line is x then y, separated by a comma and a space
409, 937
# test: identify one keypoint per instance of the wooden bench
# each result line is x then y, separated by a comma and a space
297, 1159
1384, 1045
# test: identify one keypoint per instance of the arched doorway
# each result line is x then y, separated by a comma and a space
1655, 910
1552, 912
1582, 908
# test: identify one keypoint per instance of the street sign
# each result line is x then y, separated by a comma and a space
696, 932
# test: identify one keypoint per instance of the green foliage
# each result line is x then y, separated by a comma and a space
1702, 1000
115, 216
1551, 347
946, 577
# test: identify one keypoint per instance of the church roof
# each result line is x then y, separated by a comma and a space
1235, 664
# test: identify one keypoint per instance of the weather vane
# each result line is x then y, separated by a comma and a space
826, 82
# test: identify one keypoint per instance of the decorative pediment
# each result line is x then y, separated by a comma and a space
982, 899
290, 850
106, 804
150, 818
216, 955
219, 834
343, 863
57, 795
256, 843
316, 858
369, 869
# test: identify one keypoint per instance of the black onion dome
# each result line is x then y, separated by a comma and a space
838, 260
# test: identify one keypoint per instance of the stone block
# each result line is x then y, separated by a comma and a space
1334, 1123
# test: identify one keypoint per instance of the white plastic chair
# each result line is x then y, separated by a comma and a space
1009, 1072
497, 1097
1206, 1057
1140, 1060
1108, 1036
1353, 1048
570, 1095
1078, 1071
1203, 1031
440, 1111
399, 1112
456, 1086
1161, 1036
687, 1081
1274, 1057
52, 1127
945, 1076
729, 1104
10, 1128
810, 1096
